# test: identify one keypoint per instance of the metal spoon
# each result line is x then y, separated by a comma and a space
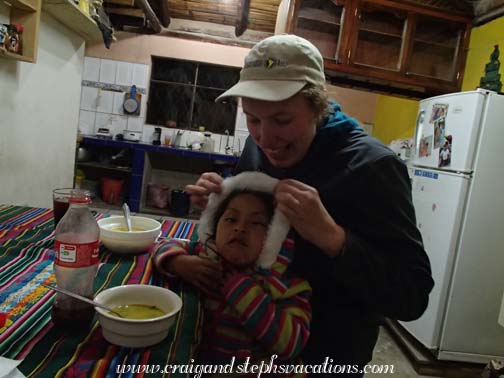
127, 216
84, 299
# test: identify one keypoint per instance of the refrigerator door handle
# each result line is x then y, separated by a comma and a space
418, 134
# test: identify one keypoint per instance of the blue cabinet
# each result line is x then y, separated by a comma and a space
138, 170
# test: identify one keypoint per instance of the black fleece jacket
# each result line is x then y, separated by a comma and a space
384, 270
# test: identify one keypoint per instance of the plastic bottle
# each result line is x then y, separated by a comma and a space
208, 143
76, 262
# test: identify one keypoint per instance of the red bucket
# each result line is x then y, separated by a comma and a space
111, 190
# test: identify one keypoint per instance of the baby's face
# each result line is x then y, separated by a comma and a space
242, 229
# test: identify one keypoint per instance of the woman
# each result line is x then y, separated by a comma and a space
346, 195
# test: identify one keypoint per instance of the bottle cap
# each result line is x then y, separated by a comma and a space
80, 196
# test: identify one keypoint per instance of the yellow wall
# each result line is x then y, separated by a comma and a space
394, 118
482, 43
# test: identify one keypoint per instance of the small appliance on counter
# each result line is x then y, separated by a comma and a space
156, 137
103, 133
132, 136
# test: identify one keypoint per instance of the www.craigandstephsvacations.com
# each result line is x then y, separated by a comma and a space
195, 370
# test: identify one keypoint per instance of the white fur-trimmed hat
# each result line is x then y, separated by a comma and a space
255, 181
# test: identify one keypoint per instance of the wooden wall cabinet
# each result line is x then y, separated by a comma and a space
388, 45
70, 15
27, 14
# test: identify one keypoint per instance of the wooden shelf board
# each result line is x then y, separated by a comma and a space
311, 26
70, 15
320, 15
378, 67
26, 5
92, 164
418, 74
387, 34
9, 55
323, 21
438, 44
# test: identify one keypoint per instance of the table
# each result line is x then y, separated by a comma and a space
26, 260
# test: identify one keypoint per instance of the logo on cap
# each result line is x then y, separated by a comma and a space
267, 63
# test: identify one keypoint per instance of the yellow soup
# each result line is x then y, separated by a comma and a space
121, 228
138, 311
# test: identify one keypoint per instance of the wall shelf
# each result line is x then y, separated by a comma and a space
27, 5
70, 15
10, 55
92, 164
27, 14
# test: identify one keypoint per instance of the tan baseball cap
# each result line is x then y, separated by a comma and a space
277, 68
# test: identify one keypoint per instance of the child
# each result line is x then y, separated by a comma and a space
252, 307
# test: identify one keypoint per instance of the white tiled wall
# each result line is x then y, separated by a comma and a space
124, 73
91, 69
103, 108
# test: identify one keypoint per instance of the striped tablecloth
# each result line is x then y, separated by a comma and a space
26, 258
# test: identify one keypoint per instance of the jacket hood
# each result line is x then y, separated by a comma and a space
340, 120
279, 225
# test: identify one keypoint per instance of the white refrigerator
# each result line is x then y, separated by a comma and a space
457, 177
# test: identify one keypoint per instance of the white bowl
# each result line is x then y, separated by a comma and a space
129, 242
137, 333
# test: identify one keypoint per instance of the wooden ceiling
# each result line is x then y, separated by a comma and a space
152, 16
259, 15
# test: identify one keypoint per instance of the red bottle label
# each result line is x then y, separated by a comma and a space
76, 255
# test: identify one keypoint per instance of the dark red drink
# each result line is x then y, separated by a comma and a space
77, 317
60, 207
60, 203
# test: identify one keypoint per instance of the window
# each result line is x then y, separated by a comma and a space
182, 95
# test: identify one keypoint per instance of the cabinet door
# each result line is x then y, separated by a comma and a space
436, 48
321, 22
378, 38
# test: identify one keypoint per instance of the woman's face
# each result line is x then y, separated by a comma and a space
283, 130
241, 230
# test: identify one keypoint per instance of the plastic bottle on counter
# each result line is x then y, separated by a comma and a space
76, 249
208, 143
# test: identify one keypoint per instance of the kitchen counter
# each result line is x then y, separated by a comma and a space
146, 147
138, 163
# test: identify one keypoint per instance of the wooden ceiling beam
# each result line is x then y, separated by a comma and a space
150, 15
242, 17
164, 13
128, 3
133, 12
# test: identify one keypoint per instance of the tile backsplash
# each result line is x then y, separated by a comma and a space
105, 83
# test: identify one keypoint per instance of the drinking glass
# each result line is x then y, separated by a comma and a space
61, 199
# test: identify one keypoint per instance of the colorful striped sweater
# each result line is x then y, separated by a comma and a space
254, 315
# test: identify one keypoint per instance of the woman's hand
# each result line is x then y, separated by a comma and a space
208, 182
203, 273
302, 206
